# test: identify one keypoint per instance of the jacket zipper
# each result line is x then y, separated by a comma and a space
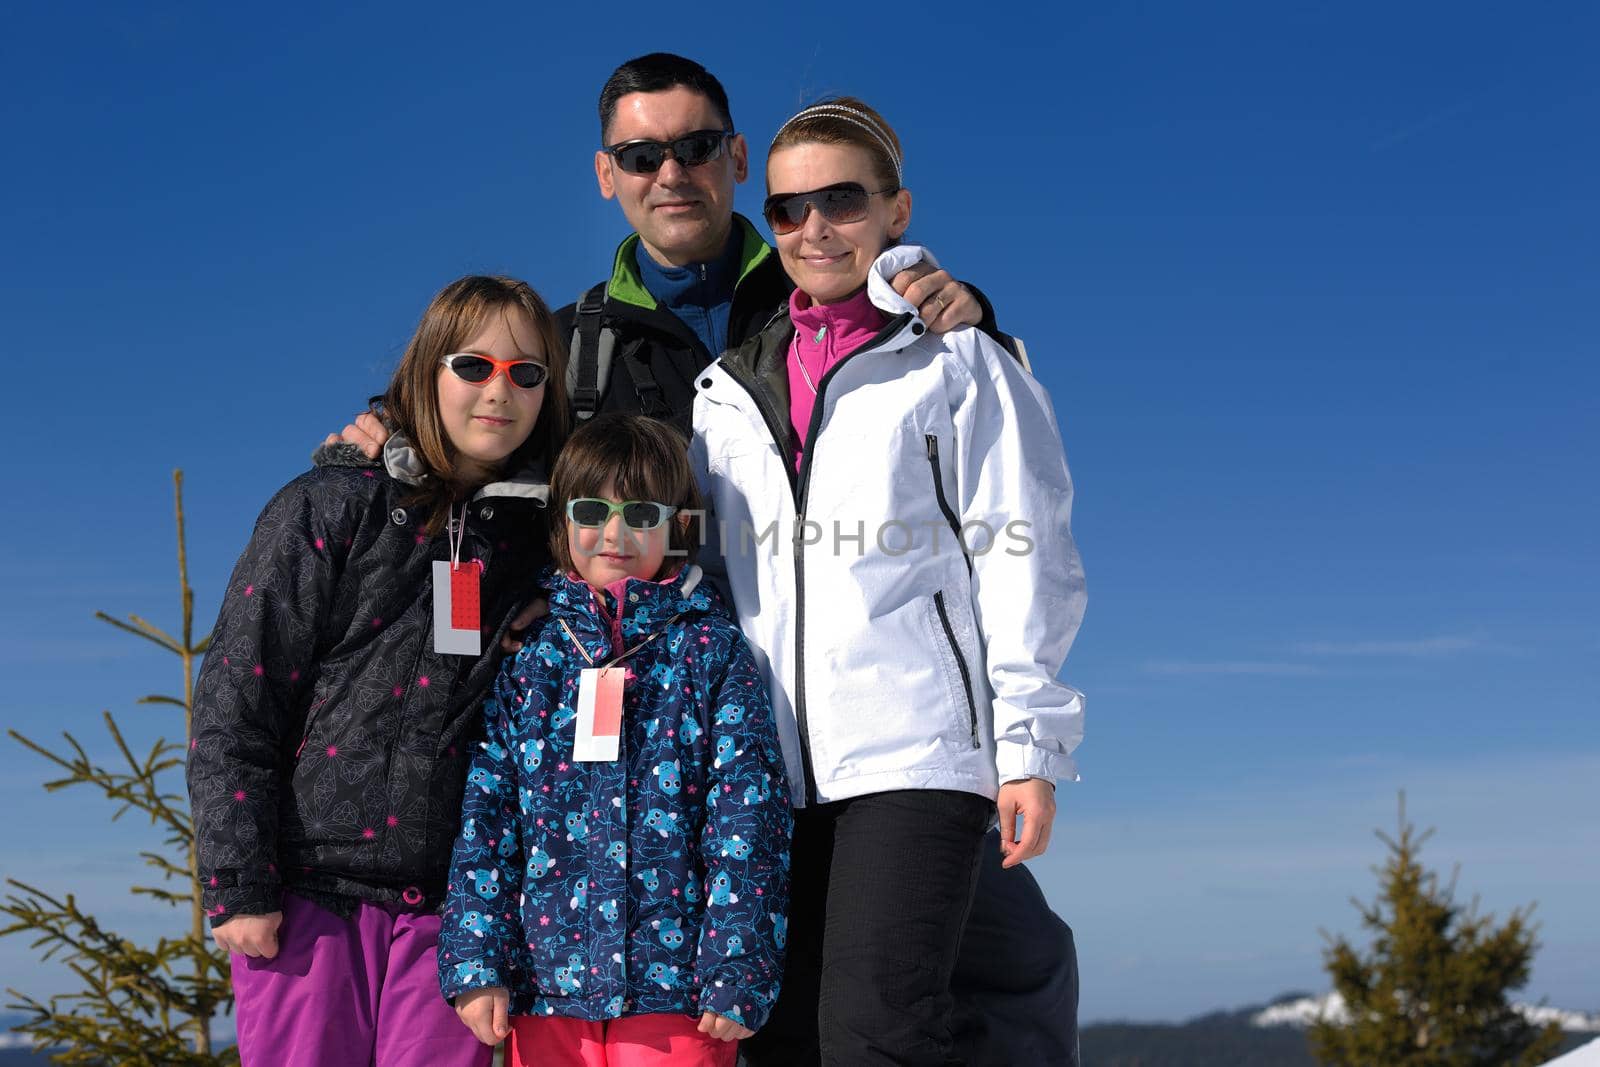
802, 492
944, 504
961, 662
305, 731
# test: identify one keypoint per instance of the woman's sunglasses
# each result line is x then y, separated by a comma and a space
592, 512
477, 370
841, 203
690, 150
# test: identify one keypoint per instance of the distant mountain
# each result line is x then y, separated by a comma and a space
1261, 1035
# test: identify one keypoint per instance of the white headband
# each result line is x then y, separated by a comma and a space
855, 118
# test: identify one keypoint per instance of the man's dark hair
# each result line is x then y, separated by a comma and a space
656, 73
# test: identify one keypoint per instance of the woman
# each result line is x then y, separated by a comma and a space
915, 599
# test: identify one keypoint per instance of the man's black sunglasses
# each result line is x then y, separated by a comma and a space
690, 150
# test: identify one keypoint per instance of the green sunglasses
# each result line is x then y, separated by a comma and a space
592, 512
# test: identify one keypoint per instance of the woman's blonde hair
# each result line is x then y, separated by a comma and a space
848, 121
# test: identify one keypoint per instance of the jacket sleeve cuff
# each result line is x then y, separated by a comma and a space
988, 324
224, 901
479, 973
732, 1002
1018, 763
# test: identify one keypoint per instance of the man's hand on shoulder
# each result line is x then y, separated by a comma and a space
942, 302
367, 433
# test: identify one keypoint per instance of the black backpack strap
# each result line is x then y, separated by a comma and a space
652, 401
1016, 348
584, 373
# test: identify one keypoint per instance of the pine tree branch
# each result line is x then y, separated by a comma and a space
155, 631
134, 1004
156, 638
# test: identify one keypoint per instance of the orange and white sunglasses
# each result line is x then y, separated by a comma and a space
475, 369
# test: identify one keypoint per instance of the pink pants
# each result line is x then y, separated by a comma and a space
632, 1041
356, 992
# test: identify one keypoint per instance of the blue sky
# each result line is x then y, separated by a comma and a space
1315, 289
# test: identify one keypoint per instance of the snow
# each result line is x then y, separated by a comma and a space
1330, 1006
1582, 1056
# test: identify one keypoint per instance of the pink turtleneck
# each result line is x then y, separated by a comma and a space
616, 590
824, 335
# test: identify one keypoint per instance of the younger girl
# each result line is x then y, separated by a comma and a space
606, 900
893, 509
338, 705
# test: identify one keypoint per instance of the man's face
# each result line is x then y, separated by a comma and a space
682, 214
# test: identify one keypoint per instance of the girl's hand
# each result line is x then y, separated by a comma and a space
250, 935
1035, 800
486, 1012
537, 609
722, 1028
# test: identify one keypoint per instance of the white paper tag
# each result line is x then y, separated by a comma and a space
447, 639
598, 724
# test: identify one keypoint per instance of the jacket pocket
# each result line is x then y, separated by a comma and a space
329, 810
961, 665
550, 968
931, 445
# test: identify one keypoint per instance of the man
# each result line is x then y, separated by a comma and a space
693, 280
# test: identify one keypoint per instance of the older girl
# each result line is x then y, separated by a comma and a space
893, 509
338, 705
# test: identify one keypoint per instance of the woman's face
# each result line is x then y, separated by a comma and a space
829, 261
489, 421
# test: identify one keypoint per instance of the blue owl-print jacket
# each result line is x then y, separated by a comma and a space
658, 882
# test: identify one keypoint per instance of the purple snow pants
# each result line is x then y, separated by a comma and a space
356, 992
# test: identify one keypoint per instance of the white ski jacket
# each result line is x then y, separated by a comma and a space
896, 659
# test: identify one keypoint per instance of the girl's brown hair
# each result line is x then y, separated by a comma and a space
848, 121
638, 458
457, 315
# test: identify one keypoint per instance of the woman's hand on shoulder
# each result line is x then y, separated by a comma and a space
722, 1028
1034, 799
250, 935
486, 1012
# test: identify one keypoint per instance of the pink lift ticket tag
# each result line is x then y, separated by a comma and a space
598, 734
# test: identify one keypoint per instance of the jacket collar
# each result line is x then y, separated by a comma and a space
759, 362
627, 287
890, 262
646, 606
404, 464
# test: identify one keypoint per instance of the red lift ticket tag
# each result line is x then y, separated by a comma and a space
455, 609
599, 721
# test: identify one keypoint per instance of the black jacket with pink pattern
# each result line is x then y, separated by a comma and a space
330, 742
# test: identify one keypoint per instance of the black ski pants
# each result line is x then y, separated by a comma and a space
880, 889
